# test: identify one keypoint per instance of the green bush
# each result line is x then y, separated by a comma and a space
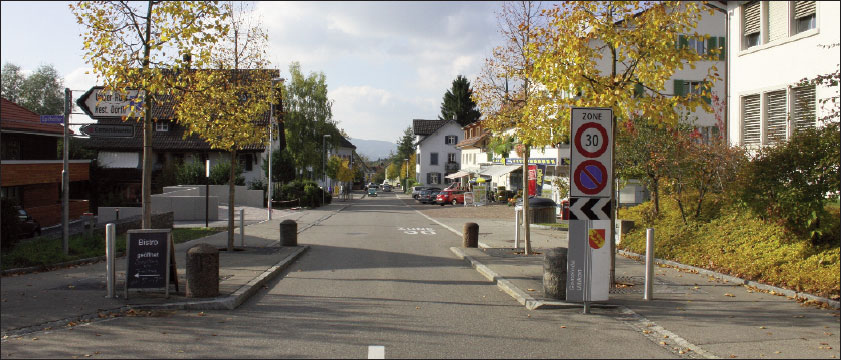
221, 172
793, 181
306, 191
190, 173
738, 243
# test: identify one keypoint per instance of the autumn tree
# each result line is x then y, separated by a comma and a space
41, 92
457, 103
505, 86
130, 46
226, 100
615, 54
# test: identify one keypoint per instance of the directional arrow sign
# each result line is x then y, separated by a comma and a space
100, 104
590, 208
108, 130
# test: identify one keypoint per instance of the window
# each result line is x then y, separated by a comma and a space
751, 119
11, 193
804, 107
775, 116
162, 126
694, 87
418, 159
699, 45
434, 158
450, 139
433, 178
11, 149
246, 162
751, 24
451, 157
804, 15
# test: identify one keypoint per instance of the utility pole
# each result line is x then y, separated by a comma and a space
65, 177
324, 159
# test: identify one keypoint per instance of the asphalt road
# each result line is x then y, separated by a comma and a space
377, 274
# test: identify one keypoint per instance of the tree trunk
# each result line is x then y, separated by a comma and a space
655, 195
231, 177
527, 244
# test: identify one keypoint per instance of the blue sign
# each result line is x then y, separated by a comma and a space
52, 119
532, 161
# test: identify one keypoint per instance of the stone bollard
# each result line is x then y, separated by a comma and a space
555, 273
289, 233
202, 271
470, 235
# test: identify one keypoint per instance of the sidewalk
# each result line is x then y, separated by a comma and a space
693, 314
36, 301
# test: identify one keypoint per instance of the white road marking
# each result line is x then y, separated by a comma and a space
376, 352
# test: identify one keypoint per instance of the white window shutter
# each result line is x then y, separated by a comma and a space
751, 120
804, 8
775, 117
804, 107
751, 18
777, 21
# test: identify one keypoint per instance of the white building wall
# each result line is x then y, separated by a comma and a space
778, 64
435, 143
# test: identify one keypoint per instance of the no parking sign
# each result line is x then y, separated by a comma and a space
590, 157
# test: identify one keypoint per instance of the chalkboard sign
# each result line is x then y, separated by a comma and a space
150, 260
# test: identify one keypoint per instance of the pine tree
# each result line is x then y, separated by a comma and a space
457, 101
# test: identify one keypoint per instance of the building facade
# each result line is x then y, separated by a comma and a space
30, 166
772, 46
436, 154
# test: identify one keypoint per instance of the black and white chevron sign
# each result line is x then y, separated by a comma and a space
590, 208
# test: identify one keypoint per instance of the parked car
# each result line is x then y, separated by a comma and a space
27, 226
450, 196
416, 190
428, 196
387, 188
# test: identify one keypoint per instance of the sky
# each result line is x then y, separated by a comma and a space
385, 63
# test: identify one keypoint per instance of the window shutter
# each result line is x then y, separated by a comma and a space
751, 18
751, 120
804, 107
722, 48
638, 90
776, 20
429, 181
682, 41
776, 116
711, 44
804, 8
678, 88
707, 93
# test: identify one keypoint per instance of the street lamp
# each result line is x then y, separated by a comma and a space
275, 83
324, 159
406, 178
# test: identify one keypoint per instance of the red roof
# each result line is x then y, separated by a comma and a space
16, 117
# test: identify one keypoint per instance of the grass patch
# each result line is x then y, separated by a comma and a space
48, 251
738, 243
562, 225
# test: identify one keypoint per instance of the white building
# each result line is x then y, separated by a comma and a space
436, 154
772, 45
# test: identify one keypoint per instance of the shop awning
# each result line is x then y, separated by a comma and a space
498, 170
457, 174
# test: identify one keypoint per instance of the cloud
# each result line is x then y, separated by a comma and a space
370, 113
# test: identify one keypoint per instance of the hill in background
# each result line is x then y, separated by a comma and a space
374, 149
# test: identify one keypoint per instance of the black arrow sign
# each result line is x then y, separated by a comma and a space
590, 208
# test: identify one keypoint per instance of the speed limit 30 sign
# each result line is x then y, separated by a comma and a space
590, 157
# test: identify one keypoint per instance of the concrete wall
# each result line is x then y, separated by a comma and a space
106, 214
242, 195
186, 207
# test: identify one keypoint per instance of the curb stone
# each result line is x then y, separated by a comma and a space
739, 281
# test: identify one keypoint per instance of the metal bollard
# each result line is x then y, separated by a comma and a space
518, 220
242, 228
117, 214
650, 263
110, 271
470, 235
289, 233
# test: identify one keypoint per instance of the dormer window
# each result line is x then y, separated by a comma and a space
162, 126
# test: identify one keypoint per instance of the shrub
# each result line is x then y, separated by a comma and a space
190, 173
793, 180
307, 191
738, 243
221, 172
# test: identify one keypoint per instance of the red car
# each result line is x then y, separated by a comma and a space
450, 196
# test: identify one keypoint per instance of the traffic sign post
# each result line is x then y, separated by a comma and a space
591, 173
101, 104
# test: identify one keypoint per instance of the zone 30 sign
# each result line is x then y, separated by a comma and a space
590, 157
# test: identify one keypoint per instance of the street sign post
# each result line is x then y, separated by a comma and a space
589, 254
101, 104
108, 130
